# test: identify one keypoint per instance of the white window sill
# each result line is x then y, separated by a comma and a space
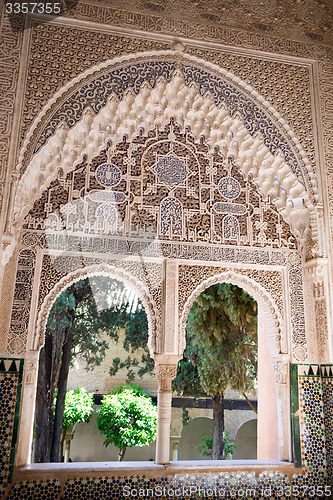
76, 469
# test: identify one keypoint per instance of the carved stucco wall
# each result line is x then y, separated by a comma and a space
281, 50
292, 96
10, 54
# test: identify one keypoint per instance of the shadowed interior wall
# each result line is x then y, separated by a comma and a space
191, 438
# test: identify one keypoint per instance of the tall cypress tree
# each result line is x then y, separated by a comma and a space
221, 336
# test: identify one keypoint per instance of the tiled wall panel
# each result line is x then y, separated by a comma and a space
10, 391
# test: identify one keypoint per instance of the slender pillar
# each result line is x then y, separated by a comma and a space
267, 427
175, 442
27, 409
165, 374
283, 410
166, 359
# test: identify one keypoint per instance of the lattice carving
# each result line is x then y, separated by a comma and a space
104, 244
264, 75
325, 71
181, 26
10, 51
297, 313
56, 278
199, 198
53, 39
265, 164
18, 331
289, 95
195, 279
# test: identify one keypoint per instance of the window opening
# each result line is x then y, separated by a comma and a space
217, 376
92, 330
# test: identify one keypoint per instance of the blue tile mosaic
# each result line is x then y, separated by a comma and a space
36, 490
11, 371
327, 388
316, 406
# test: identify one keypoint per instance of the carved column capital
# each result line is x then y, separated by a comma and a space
316, 269
165, 371
318, 230
165, 374
31, 367
281, 372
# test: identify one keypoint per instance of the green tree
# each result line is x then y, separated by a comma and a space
135, 325
206, 448
221, 334
221, 351
127, 418
79, 405
74, 330
222, 345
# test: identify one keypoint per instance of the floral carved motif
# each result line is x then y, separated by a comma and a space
165, 371
264, 286
10, 52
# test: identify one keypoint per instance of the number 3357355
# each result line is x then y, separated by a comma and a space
33, 7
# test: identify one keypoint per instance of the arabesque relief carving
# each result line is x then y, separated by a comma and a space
211, 31
194, 279
274, 166
10, 52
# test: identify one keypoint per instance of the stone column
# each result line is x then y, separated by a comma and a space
267, 448
283, 408
165, 373
27, 409
175, 442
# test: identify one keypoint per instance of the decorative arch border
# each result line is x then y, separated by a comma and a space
209, 78
94, 72
272, 315
108, 271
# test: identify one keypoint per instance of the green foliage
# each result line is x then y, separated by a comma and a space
76, 328
221, 342
229, 447
79, 405
135, 324
206, 448
135, 388
185, 415
75, 310
127, 418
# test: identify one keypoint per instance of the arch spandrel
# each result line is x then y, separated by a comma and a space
275, 324
212, 103
188, 128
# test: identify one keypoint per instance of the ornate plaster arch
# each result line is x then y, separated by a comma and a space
214, 103
272, 315
100, 270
